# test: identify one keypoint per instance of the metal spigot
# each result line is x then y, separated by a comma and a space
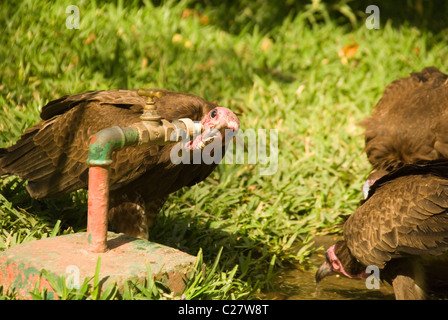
153, 130
150, 110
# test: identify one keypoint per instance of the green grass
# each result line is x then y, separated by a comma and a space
278, 72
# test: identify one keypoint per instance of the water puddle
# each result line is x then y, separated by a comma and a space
300, 285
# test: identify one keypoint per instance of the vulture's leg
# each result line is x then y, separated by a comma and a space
131, 215
127, 214
409, 282
152, 210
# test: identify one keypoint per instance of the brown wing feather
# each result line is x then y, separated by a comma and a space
52, 155
405, 216
410, 121
125, 98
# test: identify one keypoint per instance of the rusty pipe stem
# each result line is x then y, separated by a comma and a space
98, 208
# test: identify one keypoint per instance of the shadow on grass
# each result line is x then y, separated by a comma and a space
190, 234
266, 15
70, 209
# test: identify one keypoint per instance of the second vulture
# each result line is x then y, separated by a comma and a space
402, 229
52, 155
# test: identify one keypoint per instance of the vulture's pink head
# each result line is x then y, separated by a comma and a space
219, 123
333, 265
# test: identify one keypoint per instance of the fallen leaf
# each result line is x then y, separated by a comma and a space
75, 61
188, 45
347, 52
90, 38
204, 19
188, 13
300, 90
307, 145
177, 38
144, 62
36, 95
266, 44
206, 66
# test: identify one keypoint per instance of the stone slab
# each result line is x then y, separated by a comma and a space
68, 255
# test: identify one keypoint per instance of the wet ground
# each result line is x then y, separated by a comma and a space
300, 285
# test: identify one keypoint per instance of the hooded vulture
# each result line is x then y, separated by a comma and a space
52, 155
402, 229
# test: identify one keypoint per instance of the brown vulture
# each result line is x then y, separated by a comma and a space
52, 155
402, 229
410, 121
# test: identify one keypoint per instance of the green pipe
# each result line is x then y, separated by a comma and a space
107, 140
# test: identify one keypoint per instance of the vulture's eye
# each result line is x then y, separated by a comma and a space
327, 257
213, 113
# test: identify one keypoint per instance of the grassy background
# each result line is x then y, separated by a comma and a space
310, 69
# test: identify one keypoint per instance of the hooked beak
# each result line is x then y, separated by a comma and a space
207, 137
324, 270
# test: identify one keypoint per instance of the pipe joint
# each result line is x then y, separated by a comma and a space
106, 141
164, 132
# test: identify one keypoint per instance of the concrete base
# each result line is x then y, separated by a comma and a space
68, 255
